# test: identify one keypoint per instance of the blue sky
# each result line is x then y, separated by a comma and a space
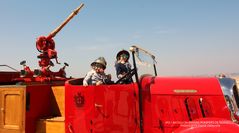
188, 37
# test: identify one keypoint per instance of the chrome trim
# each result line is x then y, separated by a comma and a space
228, 85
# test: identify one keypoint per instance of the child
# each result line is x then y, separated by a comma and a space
97, 75
122, 66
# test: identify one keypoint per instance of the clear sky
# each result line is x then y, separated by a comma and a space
188, 37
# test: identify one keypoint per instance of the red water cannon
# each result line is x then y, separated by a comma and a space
46, 46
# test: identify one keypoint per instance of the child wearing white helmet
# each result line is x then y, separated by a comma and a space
97, 76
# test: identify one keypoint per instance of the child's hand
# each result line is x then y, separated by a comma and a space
99, 83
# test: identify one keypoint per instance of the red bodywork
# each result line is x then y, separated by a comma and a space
104, 108
38, 105
169, 104
8, 77
176, 102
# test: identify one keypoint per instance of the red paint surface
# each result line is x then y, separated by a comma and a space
40, 106
114, 108
8, 77
204, 86
107, 108
168, 110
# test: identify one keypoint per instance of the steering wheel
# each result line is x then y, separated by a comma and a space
127, 76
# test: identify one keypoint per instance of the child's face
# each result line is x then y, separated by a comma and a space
99, 70
124, 57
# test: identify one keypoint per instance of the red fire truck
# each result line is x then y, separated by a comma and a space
42, 101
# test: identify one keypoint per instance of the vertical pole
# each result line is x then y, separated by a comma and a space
155, 71
140, 94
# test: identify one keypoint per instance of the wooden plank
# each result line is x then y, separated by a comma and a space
52, 125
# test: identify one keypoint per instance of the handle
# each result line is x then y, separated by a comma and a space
98, 105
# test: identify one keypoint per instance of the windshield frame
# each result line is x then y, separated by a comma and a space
135, 50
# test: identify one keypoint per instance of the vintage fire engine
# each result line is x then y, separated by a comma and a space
42, 101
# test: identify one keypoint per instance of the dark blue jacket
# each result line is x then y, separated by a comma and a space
121, 70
